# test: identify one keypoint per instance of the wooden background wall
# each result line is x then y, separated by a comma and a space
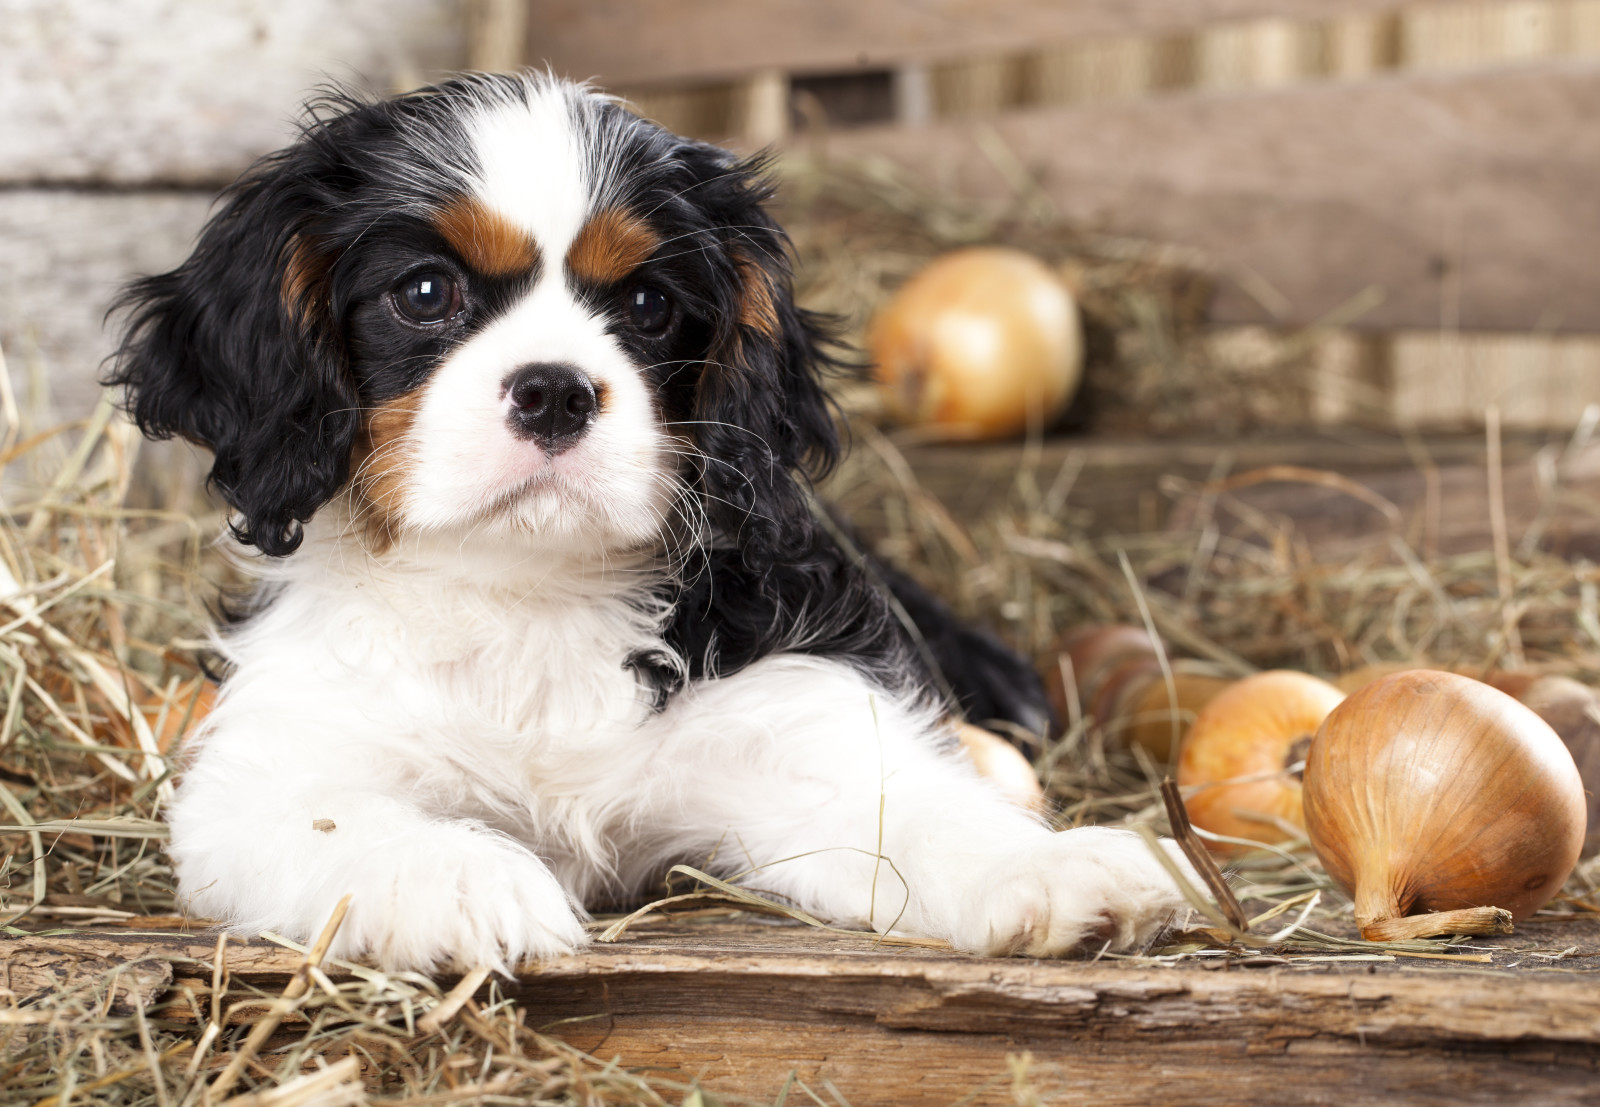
1434, 161
1444, 152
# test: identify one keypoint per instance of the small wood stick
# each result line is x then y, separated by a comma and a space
1195, 850
298, 985
452, 1002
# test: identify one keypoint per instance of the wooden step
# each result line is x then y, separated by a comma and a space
742, 1004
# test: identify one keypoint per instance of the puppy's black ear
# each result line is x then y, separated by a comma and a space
761, 414
237, 350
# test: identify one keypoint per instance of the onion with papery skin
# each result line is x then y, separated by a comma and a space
1091, 656
1426, 791
983, 343
1120, 683
1256, 732
1144, 715
1002, 764
1573, 712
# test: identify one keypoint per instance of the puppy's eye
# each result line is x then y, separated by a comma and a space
649, 309
427, 298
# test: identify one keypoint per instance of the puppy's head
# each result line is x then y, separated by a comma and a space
503, 304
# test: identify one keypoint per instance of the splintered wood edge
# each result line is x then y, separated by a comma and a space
1469, 921
921, 990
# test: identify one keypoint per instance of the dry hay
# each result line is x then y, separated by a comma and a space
102, 624
103, 613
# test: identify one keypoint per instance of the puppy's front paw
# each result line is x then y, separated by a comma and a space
1083, 888
461, 899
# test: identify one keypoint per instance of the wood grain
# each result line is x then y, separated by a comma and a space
743, 1004
1119, 488
632, 42
1466, 198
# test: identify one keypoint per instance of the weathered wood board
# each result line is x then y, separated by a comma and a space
1468, 199
1119, 487
741, 1004
669, 41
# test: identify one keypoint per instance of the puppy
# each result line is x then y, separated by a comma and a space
507, 389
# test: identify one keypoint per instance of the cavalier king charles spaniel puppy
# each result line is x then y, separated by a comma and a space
507, 389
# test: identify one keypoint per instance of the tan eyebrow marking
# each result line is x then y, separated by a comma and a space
486, 240
611, 245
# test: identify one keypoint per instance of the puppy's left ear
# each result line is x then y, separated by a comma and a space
761, 414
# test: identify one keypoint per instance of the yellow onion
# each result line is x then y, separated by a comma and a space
1120, 684
1002, 764
1256, 734
982, 343
1091, 657
1146, 711
1573, 712
1426, 791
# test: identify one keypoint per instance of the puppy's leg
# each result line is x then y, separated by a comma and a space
272, 842
799, 770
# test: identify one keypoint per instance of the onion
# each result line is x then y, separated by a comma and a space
1427, 791
1146, 711
982, 343
1002, 764
185, 714
1093, 656
1257, 732
1573, 712
1120, 684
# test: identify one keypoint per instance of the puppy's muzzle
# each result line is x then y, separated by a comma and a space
551, 404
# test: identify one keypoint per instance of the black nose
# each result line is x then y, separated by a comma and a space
550, 404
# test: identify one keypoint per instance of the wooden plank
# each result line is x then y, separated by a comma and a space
742, 1004
1117, 490
1468, 199
640, 42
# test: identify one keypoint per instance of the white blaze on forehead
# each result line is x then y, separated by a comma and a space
532, 162
610, 488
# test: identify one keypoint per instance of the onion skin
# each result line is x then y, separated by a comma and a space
1573, 712
1148, 716
1258, 726
1119, 683
1093, 656
980, 343
1429, 791
1003, 765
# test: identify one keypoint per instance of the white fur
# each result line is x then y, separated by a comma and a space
609, 490
464, 718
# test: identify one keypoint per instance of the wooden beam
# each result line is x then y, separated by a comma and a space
626, 43
741, 1005
1117, 489
1468, 199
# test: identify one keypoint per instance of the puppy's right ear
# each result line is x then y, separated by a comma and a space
238, 349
